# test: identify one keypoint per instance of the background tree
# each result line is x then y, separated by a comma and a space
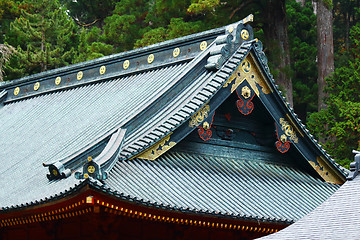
302, 39
44, 37
325, 47
339, 123
5, 53
88, 13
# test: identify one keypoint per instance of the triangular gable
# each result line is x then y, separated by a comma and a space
250, 77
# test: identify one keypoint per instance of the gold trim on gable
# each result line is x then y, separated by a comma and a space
199, 116
326, 172
248, 71
158, 149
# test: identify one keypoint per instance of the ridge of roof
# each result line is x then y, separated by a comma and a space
113, 66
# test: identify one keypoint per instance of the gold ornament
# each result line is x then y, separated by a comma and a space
176, 52
36, 86
57, 80
150, 58
102, 70
79, 75
16, 91
126, 64
245, 34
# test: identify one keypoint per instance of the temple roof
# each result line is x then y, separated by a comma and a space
336, 218
216, 185
121, 120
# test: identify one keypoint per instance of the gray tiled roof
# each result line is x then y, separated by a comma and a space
221, 185
336, 218
55, 122
52, 126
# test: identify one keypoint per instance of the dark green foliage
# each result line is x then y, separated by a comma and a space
302, 38
346, 16
89, 12
126, 24
176, 28
44, 37
91, 45
339, 124
9, 10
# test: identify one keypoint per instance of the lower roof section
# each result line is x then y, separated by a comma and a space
336, 218
231, 187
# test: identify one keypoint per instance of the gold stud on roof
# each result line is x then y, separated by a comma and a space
126, 64
176, 52
102, 70
57, 80
150, 58
245, 34
36, 86
16, 91
203, 45
79, 75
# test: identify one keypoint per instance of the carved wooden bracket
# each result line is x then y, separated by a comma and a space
282, 144
204, 130
244, 104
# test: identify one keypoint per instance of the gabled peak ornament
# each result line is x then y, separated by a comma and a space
225, 45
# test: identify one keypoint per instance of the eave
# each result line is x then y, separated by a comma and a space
89, 198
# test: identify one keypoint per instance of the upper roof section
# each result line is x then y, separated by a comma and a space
139, 104
170, 52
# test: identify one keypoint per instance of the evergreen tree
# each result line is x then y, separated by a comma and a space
91, 45
339, 124
177, 28
126, 24
89, 13
302, 38
45, 38
325, 46
9, 10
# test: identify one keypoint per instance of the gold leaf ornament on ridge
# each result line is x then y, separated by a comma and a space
158, 149
57, 80
176, 52
200, 116
203, 45
126, 64
16, 91
102, 70
79, 75
244, 34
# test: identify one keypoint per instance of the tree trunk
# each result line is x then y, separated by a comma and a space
325, 48
302, 2
276, 37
